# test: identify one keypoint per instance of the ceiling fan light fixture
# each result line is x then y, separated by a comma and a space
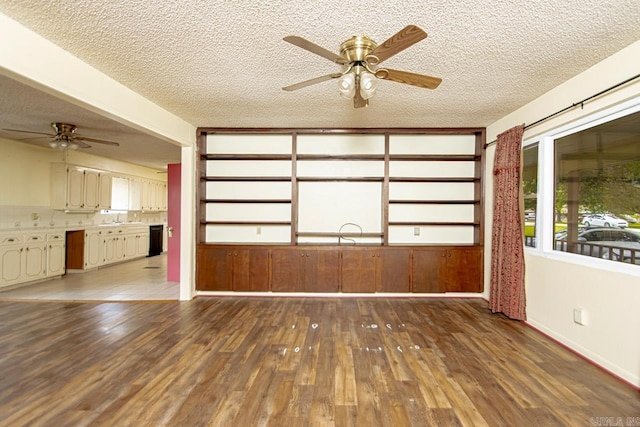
368, 85
347, 85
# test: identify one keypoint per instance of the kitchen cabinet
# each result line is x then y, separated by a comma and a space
23, 258
104, 201
136, 242
447, 269
55, 254
75, 188
305, 269
113, 249
95, 247
84, 249
153, 196
233, 268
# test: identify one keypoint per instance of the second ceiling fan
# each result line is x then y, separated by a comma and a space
361, 56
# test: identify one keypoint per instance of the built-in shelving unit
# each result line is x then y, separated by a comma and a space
313, 188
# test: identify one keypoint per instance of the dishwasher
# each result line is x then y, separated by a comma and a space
155, 239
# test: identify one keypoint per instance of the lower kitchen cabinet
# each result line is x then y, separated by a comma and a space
55, 254
23, 258
232, 268
447, 269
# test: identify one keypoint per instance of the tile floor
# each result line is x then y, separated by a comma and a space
142, 279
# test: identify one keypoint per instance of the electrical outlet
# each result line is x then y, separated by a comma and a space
580, 316
258, 230
416, 231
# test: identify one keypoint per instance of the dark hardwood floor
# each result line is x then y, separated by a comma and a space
234, 361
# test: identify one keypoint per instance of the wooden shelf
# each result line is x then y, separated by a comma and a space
245, 157
339, 179
413, 179
434, 202
440, 223
353, 157
247, 200
390, 156
245, 222
333, 234
434, 157
246, 178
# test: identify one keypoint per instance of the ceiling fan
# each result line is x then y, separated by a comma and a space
360, 57
65, 137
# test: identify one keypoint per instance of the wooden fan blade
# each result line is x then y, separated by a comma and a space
419, 80
80, 143
404, 38
28, 131
314, 48
99, 141
311, 82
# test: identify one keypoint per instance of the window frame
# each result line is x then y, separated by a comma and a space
546, 187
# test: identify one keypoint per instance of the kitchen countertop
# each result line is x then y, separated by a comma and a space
75, 227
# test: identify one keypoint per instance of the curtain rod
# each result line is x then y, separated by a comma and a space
580, 103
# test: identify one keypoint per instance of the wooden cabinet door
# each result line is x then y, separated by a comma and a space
464, 272
104, 201
11, 264
130, 246
55, 258
142, 245
287, 268
214, 268
395, 269
427, 267
250, 270
91, 189
360, 269
94, 247
75, 188
35, 261
322, 270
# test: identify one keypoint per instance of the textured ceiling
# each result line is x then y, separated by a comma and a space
223, 63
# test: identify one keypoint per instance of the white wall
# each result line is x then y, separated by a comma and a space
555, 285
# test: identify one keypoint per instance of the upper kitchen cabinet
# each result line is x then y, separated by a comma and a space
75, 188
153, 196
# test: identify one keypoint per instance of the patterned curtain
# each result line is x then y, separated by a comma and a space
507, 251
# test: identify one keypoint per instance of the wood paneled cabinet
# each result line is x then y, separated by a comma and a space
447, 269
233, 268
339, 269
375, 269
305, 269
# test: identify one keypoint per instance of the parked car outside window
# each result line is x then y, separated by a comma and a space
607, 243
604, 220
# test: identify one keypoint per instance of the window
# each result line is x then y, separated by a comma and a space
530, 190
597, 191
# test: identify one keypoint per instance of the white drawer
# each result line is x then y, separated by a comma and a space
55, 237
33, 238
11, 239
